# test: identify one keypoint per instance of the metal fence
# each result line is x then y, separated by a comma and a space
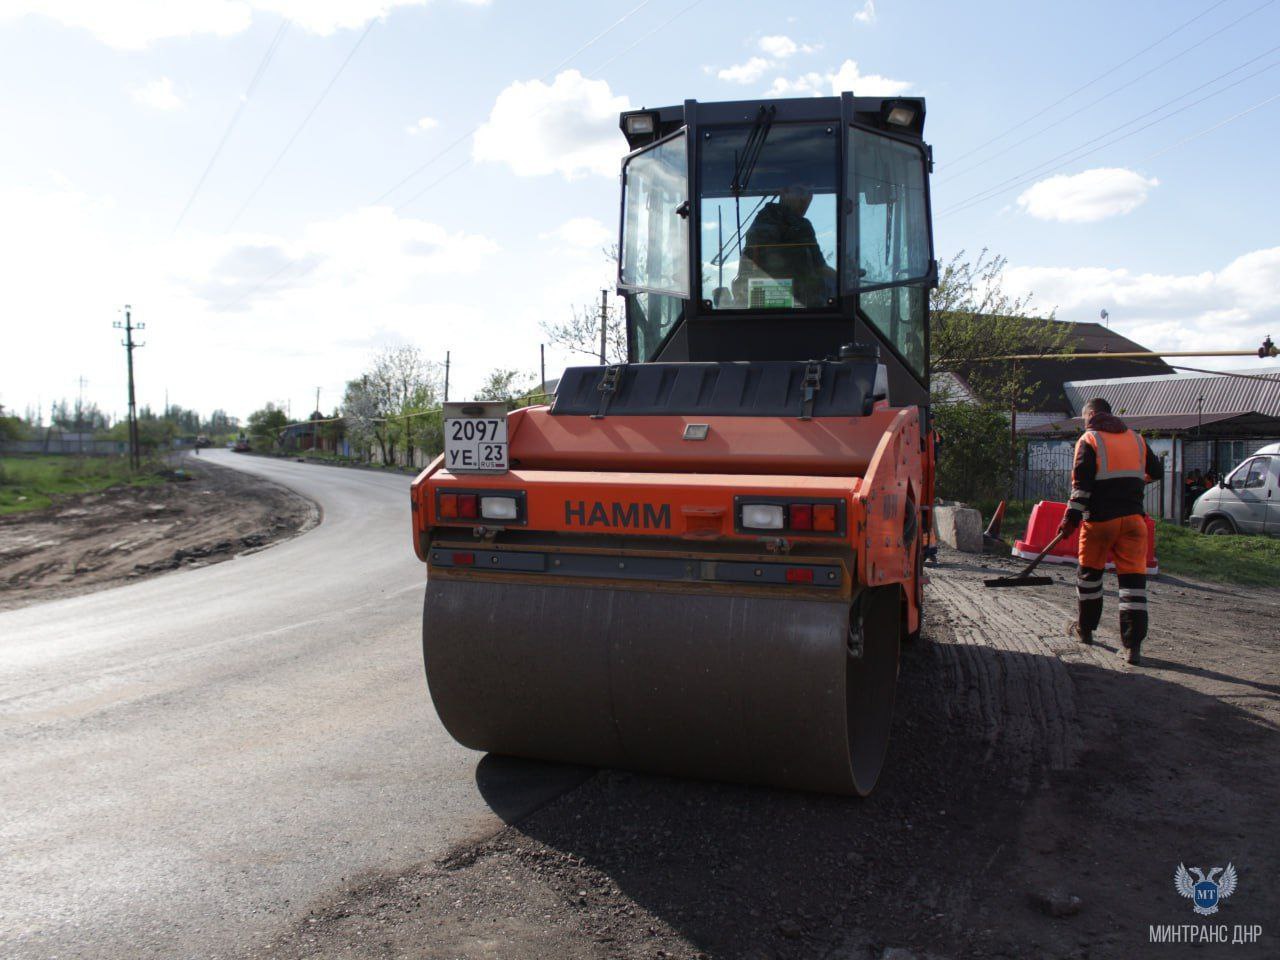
58, 446
1045, 474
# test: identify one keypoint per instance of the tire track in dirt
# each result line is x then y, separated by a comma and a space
1005, 654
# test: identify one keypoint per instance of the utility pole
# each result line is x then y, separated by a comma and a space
542, 365
80, 413
315, 424
604, 323
135, 455
446, 376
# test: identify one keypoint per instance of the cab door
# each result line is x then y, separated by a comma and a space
1244, 498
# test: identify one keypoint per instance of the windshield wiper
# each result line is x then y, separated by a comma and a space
746, 161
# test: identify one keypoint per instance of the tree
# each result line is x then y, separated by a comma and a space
973, 320
509, 386
581, 333
265, 425
12, 428
970, 432
361, 413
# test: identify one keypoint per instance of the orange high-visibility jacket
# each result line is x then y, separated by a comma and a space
1112, 467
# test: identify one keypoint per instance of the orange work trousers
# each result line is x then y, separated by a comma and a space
1124, 537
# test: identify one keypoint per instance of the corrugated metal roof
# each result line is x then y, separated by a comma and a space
1048, 375
1147, 396
1239, 422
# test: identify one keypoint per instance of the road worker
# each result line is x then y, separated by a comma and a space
1112, 467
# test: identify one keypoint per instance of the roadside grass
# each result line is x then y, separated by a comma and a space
31, 483
1252, 561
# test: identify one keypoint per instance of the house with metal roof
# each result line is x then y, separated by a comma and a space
1204, 425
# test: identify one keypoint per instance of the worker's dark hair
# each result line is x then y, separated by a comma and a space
1098, 405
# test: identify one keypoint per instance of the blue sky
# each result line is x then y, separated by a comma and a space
112, 111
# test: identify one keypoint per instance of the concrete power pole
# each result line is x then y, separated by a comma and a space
604, 324
135, 454
446, 376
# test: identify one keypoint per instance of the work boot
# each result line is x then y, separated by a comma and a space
1131, 655
1075, 631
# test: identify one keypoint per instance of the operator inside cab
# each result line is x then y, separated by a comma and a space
781, 245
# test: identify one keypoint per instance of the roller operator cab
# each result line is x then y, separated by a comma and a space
701, 562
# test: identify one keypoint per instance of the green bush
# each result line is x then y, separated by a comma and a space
973, 455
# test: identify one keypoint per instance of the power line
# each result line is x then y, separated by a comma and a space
467, 162
472, 132
1079, 89
1124, 86
305, 120
1039, 169
597, 70
235, 118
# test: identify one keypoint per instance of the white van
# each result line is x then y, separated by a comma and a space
1246, 501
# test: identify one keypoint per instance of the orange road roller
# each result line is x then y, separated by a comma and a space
701, 562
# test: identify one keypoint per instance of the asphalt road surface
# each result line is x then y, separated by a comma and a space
188, 761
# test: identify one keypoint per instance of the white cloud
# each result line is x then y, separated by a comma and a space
1087, 197
806, 85
582, 233
158, 94
779, 46
868, 12
748, 72
569, 127
1235, 306
423, 125
847, 77
136, 24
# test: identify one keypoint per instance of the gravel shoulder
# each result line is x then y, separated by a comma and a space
1037, 799
88, 542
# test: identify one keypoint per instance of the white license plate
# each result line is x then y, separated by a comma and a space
475, 438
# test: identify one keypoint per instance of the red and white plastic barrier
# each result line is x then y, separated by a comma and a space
1043, 527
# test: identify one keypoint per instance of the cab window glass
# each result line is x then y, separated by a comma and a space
655, 234
651, 317
899, 314
892, 210
768, 209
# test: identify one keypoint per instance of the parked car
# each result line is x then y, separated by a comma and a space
1246, 501
241, 445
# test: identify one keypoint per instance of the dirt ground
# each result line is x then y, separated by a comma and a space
1037, 799
90, 541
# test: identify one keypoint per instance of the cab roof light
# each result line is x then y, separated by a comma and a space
901, 116
637, 124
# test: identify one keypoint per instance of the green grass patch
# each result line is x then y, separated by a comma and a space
31, 483
1252, 561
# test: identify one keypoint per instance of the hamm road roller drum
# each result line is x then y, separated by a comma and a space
751, 689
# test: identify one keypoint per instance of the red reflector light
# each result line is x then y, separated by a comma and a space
801, 516
824, 517
799, 575
468, 506
448, 505
464, 559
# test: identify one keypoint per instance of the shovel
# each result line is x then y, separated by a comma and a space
1024, 579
